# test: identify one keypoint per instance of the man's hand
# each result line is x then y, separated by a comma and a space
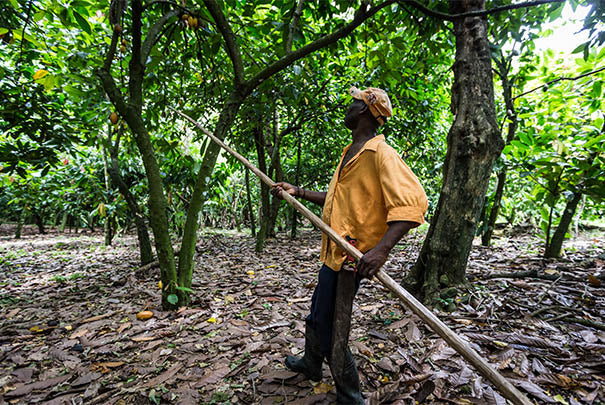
282, 186
372, 261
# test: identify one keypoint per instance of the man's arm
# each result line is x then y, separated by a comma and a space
317, 197
372, 260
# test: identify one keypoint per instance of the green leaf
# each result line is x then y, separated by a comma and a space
187, 289
83, 23
596, 89
580, 48
594, 141
172, 299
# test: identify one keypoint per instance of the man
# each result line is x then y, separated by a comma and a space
373, 200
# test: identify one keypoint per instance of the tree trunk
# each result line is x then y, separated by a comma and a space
275, 202
553, 249
185, 270
511, 113
275, 172
145, 249
108, 229
297, 182
579, 216
39, 223
493, 214
474, 142
20, 225
250, 210
264, 190
63, 223
157, 214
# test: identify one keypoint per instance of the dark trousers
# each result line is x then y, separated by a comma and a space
322, 306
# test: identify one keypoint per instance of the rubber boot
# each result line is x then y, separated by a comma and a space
310, 364
346, 379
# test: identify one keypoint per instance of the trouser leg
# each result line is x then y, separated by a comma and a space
318, 330
321, 315
311, 363
342, 364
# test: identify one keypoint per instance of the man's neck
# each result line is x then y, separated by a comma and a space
362, 134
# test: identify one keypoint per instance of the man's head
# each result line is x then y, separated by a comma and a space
371, 104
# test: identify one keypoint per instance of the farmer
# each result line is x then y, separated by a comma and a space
373, 200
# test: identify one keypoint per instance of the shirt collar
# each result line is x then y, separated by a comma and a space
372, 144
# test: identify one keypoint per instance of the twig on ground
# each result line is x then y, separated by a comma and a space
522, 274
558, 317
547, 290
548, 308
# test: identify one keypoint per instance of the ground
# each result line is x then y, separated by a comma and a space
69, 332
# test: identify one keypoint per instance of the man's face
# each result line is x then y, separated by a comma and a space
353, 112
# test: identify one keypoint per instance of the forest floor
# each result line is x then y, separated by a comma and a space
69, 334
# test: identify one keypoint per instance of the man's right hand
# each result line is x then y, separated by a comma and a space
288, 188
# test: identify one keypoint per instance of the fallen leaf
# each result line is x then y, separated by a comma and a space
106, 366
464, 321
322, 388
40, 385
123, 327
165, 376
536, 391
213, 376
593, 280
386, 364
560, 399
78, 333
143, 338
413, 333
85, 379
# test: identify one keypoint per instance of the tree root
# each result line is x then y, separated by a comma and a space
522, 274
585, 322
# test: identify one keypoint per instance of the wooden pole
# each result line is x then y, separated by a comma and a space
483, 367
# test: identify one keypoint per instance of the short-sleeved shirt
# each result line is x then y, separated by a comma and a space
374, 188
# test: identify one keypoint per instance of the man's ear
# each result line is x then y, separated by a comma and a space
363, 109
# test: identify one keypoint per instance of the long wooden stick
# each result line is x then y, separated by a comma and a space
501, 383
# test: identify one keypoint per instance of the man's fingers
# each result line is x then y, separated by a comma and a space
276, 191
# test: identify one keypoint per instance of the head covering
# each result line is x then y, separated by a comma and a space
377, 100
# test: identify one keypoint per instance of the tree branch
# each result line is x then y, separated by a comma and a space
480, 13
231, 44
560, 79
135, 66
153, 33
114, 94
293, 24
111, 51
361, 15
172, 3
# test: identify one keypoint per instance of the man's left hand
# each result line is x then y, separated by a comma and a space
371, 262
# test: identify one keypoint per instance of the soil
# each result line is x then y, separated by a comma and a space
69, 332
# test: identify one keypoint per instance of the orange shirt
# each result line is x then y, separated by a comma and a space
374, 187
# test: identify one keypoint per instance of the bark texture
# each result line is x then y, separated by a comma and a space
474, 142
553, 249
